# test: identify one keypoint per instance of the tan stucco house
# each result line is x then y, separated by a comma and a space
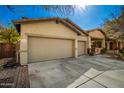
100, 40
54, 38
50, 38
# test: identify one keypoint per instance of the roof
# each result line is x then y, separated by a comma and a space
66, 22
69, 21
98, 29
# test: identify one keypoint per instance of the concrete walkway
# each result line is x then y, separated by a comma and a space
83, 72
99, 79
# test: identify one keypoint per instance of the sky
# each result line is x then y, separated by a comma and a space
88, 17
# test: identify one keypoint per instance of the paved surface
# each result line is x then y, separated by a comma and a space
16, 77
83, 72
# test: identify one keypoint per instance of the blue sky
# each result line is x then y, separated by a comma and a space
89, 18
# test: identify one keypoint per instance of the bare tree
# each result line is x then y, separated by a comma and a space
116, 24
59, 10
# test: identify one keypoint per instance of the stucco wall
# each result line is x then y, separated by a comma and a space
82, 38
49, 29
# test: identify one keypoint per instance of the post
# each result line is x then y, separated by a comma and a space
23, 52
121, 45
103, 43
89, 42
117, 44
108, 45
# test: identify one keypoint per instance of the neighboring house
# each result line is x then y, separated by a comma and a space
50, 38
97, 39
100, 40
114, 41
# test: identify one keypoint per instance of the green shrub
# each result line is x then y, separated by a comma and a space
103, 51
1, 67
121, 51
119, 55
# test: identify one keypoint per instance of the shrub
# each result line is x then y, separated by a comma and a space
121, 51
103, 51
119, 55
1, 67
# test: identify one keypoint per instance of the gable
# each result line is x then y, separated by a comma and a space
96, 34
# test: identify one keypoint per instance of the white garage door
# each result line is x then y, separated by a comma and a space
81, 47
40, 49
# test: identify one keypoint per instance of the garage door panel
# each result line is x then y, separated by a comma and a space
81, 47
41, 49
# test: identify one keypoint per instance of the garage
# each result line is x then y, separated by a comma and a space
41, 49
81, 47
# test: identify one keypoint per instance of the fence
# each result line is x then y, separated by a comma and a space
6, 50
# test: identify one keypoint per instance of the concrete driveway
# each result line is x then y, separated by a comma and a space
83, 72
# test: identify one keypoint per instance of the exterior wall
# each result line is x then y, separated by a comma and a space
47, 29
81, 47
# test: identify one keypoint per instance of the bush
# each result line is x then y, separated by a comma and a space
121, 51
119, 55
103, 51
1, 67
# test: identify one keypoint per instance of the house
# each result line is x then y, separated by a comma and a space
98, 38
114, 41
54, 38
50, 38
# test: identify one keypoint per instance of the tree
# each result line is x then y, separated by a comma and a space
115, 25
9, 35
60, 10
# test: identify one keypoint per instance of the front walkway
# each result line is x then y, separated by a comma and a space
85, 71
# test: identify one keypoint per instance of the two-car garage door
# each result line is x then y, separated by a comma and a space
40, 49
